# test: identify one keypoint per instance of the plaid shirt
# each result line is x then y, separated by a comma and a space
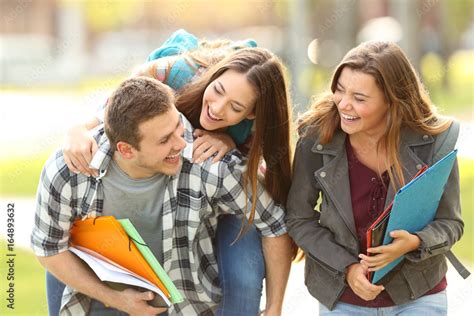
193, 200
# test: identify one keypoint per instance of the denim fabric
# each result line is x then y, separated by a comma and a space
241, 268
54, 292
429, 305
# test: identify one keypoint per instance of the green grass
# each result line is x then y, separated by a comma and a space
29, 284
455, 102
19, 176
465, 247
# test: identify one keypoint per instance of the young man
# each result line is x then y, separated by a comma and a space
172, 202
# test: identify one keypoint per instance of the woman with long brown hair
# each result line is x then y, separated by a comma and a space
358, 145
248, 87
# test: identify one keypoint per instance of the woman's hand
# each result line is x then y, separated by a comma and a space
78, 149
209, 143
403, 242
357, 279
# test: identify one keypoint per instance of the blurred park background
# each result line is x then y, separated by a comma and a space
61, 58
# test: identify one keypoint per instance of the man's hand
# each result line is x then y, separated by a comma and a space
403, 242
135, 303
73, 271
357, 278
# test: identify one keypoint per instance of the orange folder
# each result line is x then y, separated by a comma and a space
106, 236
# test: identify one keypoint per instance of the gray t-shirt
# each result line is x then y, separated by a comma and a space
140, 200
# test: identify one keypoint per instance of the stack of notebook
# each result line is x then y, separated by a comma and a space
118, 255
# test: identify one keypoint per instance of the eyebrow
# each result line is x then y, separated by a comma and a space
355, 93
169, 134
223, 89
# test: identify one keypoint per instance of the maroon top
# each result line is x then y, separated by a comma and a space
368, 194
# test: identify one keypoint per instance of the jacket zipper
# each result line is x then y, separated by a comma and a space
430, 249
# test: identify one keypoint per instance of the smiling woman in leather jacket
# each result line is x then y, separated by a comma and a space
358, 145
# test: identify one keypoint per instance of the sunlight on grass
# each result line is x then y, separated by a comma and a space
465, 248
29, 285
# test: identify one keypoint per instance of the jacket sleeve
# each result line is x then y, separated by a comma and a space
447, 228
303, 220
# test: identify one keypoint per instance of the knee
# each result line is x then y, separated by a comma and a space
246, 277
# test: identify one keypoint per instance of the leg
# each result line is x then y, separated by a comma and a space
54, 293
343, 309
429, 305
241, 268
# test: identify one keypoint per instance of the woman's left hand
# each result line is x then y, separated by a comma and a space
403, 242
209, 143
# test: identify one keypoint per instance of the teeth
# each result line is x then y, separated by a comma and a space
212, 115
172, 156
349, 117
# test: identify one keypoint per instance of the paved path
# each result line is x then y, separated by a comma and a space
297, 301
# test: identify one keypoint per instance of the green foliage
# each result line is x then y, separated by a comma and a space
20, 175
432, 70
464, 248
460, 15
106, 15
461, 71
450, 86
29, 285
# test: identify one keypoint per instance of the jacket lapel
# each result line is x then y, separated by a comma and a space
410, 162
334, 177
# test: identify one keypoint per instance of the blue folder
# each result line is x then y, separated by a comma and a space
415, 204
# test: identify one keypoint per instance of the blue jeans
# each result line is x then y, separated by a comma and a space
429, 305
241, 268
54, 292
241, 271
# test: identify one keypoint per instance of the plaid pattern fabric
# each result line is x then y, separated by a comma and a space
193, 200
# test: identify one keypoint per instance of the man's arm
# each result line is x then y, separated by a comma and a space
72, 271
277, 252
55, 213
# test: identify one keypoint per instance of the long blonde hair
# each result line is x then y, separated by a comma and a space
409, 104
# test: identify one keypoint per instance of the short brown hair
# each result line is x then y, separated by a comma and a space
135, 101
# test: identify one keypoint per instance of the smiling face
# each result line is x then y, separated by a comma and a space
361, 104
160, 146
227, 101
